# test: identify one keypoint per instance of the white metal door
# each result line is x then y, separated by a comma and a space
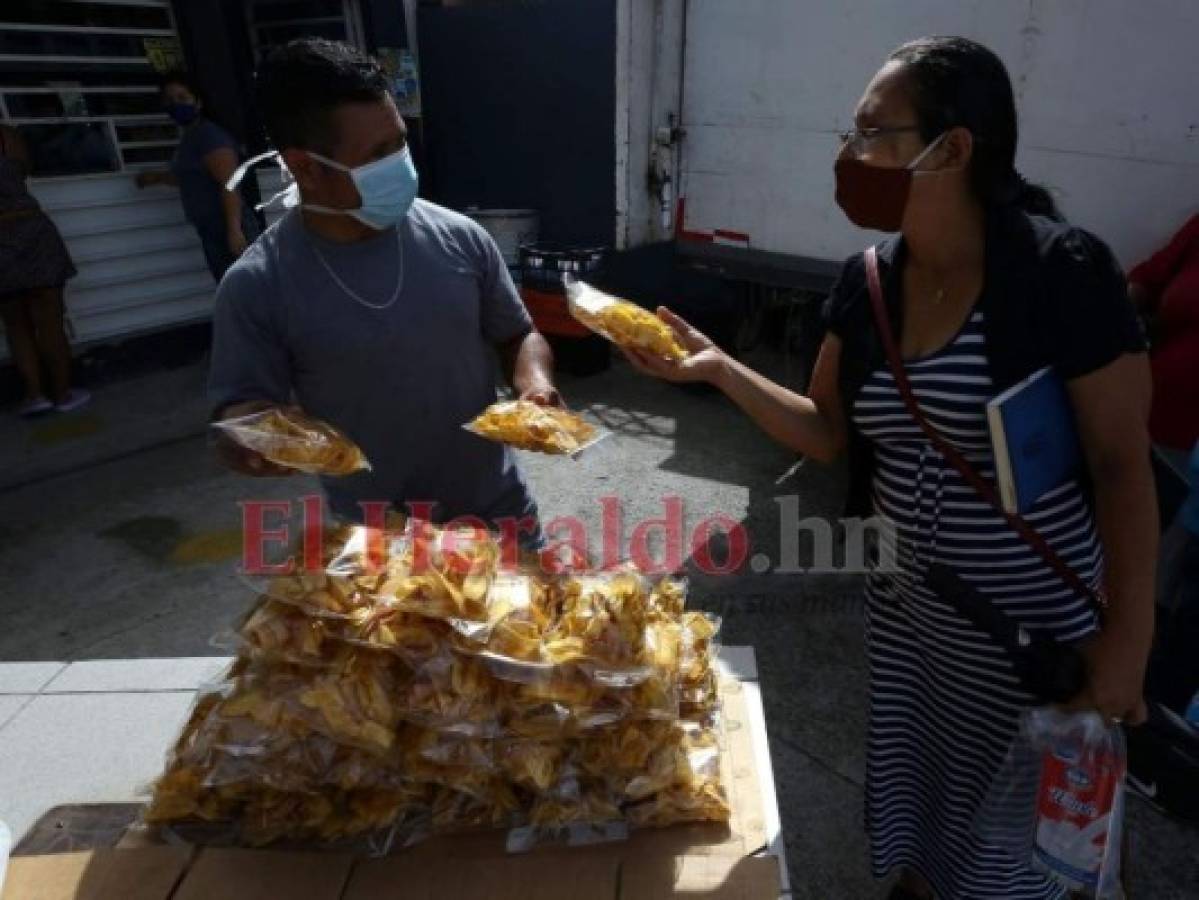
80, 82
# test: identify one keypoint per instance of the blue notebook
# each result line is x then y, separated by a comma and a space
1034, 439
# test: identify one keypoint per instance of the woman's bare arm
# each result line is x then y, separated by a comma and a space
813, 425
1111, 407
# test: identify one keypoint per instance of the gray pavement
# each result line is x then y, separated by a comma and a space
135, 558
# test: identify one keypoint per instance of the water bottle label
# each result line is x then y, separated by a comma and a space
1074, 810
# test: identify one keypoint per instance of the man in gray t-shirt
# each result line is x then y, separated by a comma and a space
378, 313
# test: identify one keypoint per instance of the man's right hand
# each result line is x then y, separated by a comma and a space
233, 455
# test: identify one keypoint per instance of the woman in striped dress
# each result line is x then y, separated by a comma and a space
982, 291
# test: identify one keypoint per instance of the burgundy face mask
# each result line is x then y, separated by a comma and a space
875, 196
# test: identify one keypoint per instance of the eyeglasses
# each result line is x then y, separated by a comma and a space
858, 139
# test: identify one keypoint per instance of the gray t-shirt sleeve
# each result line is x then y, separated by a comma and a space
502, 312
249, 357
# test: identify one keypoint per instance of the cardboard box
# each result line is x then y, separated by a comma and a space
148, 873
715, 861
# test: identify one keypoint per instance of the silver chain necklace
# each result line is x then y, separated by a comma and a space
395, 295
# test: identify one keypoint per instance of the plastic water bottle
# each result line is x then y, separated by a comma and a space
1192, 715
1080, 804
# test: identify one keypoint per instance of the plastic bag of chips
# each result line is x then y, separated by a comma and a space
700, 632
522, 608
414, 639
366, 575
532, 765
275, 632
301, 764
623, 752
703, 800
625, 324
559, 706
695, 794
454, 810
268, 816
452, 751
436, 758
530, 426
444, 574
355, 704
538, 720
575, 801
698, 688
452, 694
668, 597
606, 626
360, 552
317, 593
289, 437
181, 795
351, 701
339, 578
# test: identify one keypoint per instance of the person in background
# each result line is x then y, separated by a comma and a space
376, 311
1165, 290
983, 290
34, 267
1174, 671
206, 158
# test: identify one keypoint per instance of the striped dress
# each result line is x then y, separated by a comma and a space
944, 699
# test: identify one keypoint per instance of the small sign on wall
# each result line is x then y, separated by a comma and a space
164, 53
400, 66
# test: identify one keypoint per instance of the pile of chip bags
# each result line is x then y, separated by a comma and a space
413, 685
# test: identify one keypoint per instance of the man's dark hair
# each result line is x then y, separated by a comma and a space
301, 83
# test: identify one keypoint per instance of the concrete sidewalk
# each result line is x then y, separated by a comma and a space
93, 731
124, 417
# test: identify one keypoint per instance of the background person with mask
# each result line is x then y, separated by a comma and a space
981, 294
378, 312
206, 158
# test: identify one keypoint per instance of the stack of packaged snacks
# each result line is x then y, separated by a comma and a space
408, 685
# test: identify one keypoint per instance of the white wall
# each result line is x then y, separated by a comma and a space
1106, 91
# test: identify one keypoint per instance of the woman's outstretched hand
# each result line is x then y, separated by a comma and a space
705, 361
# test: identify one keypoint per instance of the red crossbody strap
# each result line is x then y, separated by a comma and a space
982, 487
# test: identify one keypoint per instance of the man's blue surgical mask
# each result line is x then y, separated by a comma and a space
183, 114
387, 187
